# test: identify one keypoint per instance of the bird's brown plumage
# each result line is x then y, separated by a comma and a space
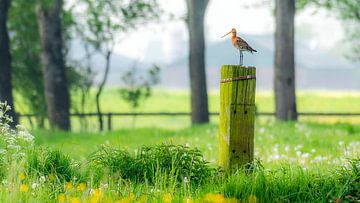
241, 44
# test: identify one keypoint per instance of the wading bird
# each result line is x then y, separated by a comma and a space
240, 44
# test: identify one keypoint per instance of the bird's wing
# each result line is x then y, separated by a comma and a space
244, 45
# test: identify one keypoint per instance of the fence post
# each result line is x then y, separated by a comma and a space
237, 116
109, 117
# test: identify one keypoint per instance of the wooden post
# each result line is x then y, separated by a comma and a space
109, 116
237, 116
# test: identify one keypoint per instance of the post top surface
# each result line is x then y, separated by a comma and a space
237, 66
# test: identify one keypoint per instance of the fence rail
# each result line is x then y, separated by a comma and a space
110, 115
189, 114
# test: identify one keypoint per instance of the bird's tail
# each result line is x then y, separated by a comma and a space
250, 49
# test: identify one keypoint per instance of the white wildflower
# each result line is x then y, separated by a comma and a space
34, 186
305, 155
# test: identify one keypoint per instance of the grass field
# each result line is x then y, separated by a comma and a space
179, 101
307, 144
303, 162
308, 161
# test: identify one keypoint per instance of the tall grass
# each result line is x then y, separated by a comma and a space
299, 162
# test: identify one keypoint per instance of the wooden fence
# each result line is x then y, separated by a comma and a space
110, 115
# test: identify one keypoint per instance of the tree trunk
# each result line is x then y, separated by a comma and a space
199, 98
55, 82
5, 62
101, 87
284, 71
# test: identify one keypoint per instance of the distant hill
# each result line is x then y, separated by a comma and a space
315, 69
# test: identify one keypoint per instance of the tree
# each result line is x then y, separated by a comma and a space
55, 82
137, 86
199, 99
284, 69
107, 19
27, 75
83, 80
5, 61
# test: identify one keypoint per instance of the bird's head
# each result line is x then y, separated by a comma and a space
233, 31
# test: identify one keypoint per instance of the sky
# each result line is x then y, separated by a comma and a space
316, 27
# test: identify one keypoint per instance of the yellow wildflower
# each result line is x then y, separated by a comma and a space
75, 200
24, 188
214, 198
61, 198
171, 140
68, 186
130, 198
167, 198
143, 199
96, 192
232, 200
252, 199
95, 195
51, 177
22, 176
81, 186
188, 200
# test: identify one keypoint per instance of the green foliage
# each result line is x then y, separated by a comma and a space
47, 4
294, 184
138, 86
306, 171
350, 177
185, 163
45, 163
172, 161
25, 50
346, 9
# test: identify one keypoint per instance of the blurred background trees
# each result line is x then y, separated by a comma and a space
38, 70
106, 20
284, 68
195, 22
5, 61
52, 54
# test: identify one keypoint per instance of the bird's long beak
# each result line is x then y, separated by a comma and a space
226, 34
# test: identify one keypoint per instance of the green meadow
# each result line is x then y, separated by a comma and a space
166, 159
179, 101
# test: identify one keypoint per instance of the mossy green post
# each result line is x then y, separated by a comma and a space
237, 116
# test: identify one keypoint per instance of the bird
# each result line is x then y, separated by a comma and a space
239, 44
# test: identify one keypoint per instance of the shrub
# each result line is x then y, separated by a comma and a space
174, 160
50, 164
115, 162
350, 177
181, 162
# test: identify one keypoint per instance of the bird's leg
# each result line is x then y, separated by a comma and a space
240, 53
241, 58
